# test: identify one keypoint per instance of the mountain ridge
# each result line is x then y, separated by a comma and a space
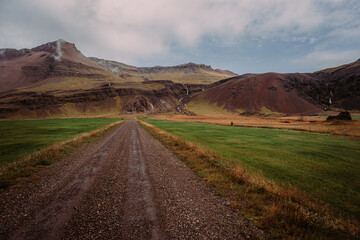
184, 73
55, 79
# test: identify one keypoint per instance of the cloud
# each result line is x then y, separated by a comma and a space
324, 59
129, 30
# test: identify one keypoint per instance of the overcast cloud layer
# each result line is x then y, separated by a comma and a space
240, 35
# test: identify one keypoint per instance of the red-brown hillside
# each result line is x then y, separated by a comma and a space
251, 93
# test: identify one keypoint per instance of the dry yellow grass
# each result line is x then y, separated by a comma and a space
303, 123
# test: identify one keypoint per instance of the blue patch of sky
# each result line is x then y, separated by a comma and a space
243, 56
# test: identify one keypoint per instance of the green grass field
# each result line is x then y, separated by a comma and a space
20, 138
325, 167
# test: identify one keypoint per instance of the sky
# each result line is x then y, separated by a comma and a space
244, 36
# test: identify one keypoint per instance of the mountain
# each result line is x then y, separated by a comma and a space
292, 93
56, 79
189, 73
257, 93
32, 67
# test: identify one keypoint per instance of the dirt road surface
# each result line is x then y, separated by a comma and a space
124, 185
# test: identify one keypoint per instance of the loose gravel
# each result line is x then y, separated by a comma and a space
124, 185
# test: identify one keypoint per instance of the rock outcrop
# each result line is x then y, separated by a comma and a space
342, 116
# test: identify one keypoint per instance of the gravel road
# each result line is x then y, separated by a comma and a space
124, 185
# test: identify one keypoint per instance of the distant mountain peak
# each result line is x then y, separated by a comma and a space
191, 64
53, 46
184, 73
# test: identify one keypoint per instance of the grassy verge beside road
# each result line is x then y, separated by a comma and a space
26, 145
315, 176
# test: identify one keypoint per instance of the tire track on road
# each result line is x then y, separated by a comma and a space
140, 212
